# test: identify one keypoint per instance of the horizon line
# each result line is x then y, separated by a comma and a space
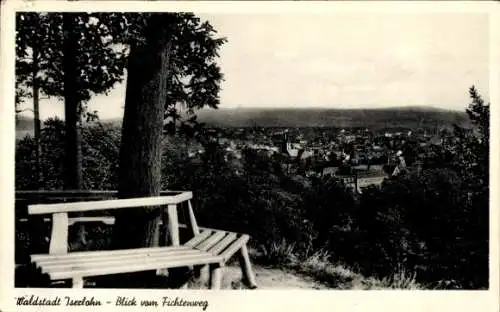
281, 108
221, 107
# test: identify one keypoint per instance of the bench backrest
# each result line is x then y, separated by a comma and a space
61, 222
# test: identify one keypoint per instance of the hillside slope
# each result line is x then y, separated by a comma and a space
342, 118
374, 119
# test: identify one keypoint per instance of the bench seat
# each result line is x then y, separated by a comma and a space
78, 265
210, 248
218, 243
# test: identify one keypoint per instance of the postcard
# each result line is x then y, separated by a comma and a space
222, 156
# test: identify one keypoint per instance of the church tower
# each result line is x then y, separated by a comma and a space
285, 144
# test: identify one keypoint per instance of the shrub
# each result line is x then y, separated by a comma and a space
100, 149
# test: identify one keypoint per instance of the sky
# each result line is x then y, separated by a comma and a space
341, 60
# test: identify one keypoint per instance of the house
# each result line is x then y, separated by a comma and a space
288, 148
436, 140
306, 154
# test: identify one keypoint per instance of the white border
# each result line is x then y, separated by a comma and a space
243, 300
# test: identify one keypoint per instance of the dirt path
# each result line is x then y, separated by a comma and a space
270, 278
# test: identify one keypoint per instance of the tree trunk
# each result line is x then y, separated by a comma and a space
36, 112
73, 148
73, 163
142, 133
140, 152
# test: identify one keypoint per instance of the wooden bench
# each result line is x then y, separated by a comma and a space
207, 248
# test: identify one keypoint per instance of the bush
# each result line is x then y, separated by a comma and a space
424, 224
100, 150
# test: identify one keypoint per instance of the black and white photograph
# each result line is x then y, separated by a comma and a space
337, 150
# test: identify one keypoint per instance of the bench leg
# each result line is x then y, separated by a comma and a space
205, 273
202, 273
162, 272
215, 276
246, 268
77, 282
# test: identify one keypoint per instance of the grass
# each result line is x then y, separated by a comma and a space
282, 253
319, 266
340, 276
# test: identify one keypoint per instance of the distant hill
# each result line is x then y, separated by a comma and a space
24, 127
24, 123
374, 119
386, 118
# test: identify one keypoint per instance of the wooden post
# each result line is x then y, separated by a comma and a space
173, 225
193, 225
246, 268
215, 276
59, 235
204, 273
161, 239
77, 282
192, 220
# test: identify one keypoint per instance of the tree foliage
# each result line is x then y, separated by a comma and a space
435, 222
100, 146
70, 56
194, 75
100, 61
103, 46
